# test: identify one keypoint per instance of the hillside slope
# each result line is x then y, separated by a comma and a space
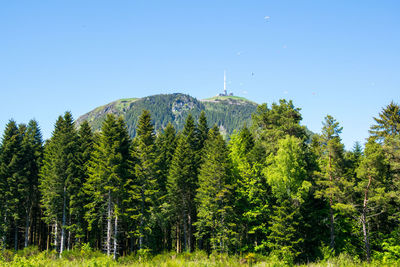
228, 112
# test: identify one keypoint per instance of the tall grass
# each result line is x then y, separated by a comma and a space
31, 256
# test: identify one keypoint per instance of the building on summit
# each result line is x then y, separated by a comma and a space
225, 93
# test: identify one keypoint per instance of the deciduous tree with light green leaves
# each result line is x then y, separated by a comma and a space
252, 193
287, 175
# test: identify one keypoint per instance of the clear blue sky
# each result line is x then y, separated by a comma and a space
330, 57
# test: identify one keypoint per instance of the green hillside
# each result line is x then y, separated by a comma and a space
228, 112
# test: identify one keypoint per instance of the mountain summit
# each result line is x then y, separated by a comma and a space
228, 112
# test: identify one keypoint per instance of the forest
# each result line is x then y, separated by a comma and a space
271, 192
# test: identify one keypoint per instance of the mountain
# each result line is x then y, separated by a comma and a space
228, 112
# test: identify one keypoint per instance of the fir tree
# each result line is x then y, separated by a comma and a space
145, 187
271, 124
372, 173
202, 130
11, 176
32, 149
333, 185
166, 145
79, 198
388, 122
182, 184
214, 194
108, 173
59, 177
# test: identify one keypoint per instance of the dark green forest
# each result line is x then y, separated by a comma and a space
228, 112
272, 189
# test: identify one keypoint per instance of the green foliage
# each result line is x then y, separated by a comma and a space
271, 124
286, 171
144, 189
388, 122
214, 194
269, 190
109, 170
333, 185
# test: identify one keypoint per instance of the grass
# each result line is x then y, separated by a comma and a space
31, 256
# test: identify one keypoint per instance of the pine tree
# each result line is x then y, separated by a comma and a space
10, 178
388, 123
145, 188
372, 173
79, 198
109, 171
182, 184
32, 150
271, 124
58, 179
333, 185
202, 130
214, 194
166, 145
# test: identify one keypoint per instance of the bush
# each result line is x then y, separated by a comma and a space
28, 251
6, 255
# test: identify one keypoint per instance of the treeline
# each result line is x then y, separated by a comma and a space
273, 189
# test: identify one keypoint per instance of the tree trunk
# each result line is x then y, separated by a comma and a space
364, 220
55, 235
178, 238
63, 221
185, 231
332, 219
27, 228
3, 238
16, 236
69, 234
115, 236
189, 232
141, 221
332, 226
108, 242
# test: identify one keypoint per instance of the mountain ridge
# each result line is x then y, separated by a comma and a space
228, 112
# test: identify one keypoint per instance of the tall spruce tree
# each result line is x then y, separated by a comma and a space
182, 185
388, 122
11, 176
58, 179
202, 130
145, 187
333, 185
79, 199
214, 195
372, 173
109, 170
32, 150
166, 145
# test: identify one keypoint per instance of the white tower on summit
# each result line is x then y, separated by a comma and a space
225, 92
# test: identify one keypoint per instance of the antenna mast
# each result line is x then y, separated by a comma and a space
225, 92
